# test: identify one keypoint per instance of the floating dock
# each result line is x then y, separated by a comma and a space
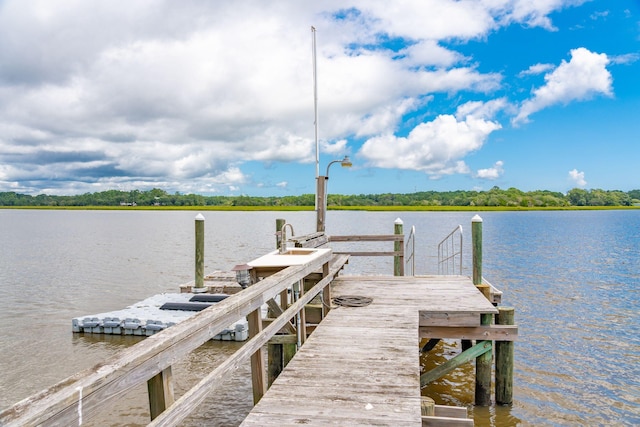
156, 313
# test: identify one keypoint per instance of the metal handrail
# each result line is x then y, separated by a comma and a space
410, 251
447, 253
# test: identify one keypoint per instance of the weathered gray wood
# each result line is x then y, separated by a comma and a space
312, 240
160, 389
398, 246
379, 253
427, 406
326, 292
451, 411
488, 332
258, 371
366, 355
192, 398
496, 294
277, 311
367, 238
280, 222
504, 360
134, 365
446, 422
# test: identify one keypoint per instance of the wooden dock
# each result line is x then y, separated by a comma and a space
361, 364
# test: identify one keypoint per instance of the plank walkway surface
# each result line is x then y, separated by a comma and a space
361, 364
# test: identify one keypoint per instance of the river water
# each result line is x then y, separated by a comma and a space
573, 278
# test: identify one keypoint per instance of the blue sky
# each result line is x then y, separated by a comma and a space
217, 97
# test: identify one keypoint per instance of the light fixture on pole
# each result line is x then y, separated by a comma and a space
321, 192
243, 277
345, 163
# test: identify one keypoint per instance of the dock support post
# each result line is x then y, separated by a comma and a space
483, 371
279, 224
476, 242
398, 246
321, 206
258, 372
326, 292
274, 362
160, 388
275, 352
504, 360
199, 281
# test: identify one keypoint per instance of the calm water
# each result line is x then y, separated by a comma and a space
573, 277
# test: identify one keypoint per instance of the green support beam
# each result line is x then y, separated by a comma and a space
451, 364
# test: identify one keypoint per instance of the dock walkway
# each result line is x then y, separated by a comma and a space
361, 364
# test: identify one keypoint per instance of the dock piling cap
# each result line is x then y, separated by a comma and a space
398, 221
476, 218
199, 217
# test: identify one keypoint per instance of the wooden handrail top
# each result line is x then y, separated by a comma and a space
304, 237
368, 238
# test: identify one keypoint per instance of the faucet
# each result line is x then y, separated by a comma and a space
283, 235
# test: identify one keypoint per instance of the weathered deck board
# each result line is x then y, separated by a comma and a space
361, 364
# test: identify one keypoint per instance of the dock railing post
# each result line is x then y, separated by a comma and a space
199, 280
483, 371
483, 362
160, 389
504, 360
476, 242
398, 246
321, 207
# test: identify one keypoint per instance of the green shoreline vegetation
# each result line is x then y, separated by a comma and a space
494, 199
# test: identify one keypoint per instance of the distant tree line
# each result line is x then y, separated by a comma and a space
511, 197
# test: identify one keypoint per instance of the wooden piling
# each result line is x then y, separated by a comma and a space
199, 280
483, 371
321, 206
504, 360
476, 243
398, 247
279, 224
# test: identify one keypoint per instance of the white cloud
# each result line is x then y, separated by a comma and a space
491, 173
583, 77
577, 178
183, 94
435, 147
628, 58
482, 110
536, 69
282, 184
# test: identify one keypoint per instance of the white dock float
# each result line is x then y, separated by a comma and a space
145, 318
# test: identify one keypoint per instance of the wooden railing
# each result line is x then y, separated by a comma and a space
371, 238
78, 397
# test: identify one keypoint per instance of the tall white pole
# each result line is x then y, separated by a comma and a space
315, 100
